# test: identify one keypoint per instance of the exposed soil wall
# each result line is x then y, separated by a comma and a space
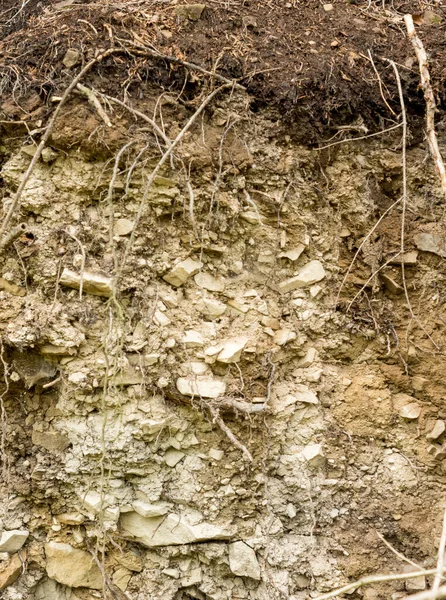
225, 384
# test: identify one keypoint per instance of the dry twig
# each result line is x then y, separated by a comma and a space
429, 98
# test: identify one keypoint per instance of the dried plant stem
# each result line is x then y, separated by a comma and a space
429, 98
217, 419
93, 100
45, 137
377, 579
395, 551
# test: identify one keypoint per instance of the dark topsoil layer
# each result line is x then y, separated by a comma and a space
310, 66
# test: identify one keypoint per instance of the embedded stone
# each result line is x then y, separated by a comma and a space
311, 273
314, 455
283, 336
182, 271
309, 358
232, 350
205, 388
293, 253
123, 227
11, 541
173, 457
428, 242
193, 339
437, 431
72, 567
304, 395
72, 58
209, 282
411, 411
243, 561
11, 571
172, 530
211, 308
145, 509
252, 217
190, 11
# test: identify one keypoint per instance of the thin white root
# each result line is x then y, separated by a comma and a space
429, 98
217, 419
94, 101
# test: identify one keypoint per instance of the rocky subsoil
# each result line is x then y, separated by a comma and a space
228, 384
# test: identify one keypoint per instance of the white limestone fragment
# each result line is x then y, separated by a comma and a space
216, 454
182, 271
243, 561
161, 319
251, 216
283, 336
123, 227
439, 429
293, 253
211, 308
314, 455
304, 395
203, 387
11, 541
232, 350
411, 411
311, 273
192, 339
92, 283
173, 457
72, 567
309, 358
209, 282
145, 509
172, 530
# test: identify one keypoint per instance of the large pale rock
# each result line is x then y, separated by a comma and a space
310, 273
427, 242
48, 589
232, 350
437, 431
314, 455
11, 570
209, 282
145, 509
92, 283
72, 567
204, 387
12, 541
172, 530
182, 271
243, 560
211, 308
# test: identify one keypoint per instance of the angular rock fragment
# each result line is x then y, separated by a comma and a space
182, 271
283, 336
123, 227
203, 387
314, 455
92, 283
11, 571
12, 541
72, 567
437, 431
209, 282
311, 273
232, 350
211, 308
243, 561
145, 509
428, 242
172, 530
293, 253
193, 339
189, 11
411, 411
72, 58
